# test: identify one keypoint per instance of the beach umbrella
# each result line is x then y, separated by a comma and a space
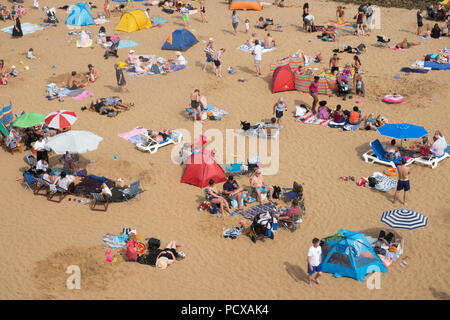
445, 2
28, 119
74, 141
404, 219
60, 119
402, 131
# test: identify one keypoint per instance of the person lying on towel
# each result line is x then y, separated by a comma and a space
160, 136
108, 104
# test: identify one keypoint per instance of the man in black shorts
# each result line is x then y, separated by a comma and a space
403, 181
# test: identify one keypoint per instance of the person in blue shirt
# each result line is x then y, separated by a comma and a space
233, 191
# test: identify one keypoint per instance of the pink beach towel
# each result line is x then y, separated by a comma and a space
311, 118
82, 95
132, 133
397, 49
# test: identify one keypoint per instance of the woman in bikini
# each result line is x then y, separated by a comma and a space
405, 44
203, 10
215, 198
356, 64
169, 255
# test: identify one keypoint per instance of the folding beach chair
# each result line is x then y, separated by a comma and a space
233, 169
55, 190
376, 154
134, 191
432, 160
43, 185
152, 146
29, 181
97, 198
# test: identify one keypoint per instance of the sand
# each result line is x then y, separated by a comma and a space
41, 239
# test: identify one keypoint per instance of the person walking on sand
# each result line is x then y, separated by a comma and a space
314, 261
235, 21
257, 53
403, 181
185, 16
106, 9
209, 52
278, 108
203, 10
419, 21
218, 62
121, 82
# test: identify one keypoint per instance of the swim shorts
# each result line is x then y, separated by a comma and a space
264, 189
314, 269
403, 185
279, 114
185, 18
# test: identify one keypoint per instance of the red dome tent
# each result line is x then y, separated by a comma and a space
201, 167
283, 79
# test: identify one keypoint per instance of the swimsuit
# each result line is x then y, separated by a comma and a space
262, 189
195, 104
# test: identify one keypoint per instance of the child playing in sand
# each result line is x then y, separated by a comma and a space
358, 84
14, 72
30, 54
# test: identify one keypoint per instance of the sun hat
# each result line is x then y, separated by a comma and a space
132, 51
13, 67
161, 263
211, 39
178, 53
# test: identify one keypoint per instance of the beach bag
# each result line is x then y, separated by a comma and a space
276, 192
132, 249
153, 244
425, 151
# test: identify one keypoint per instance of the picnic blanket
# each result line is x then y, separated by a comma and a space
134, 135
127, 44
311, 118
27, 28
260, 208
214, 110
115, 242
157, 21
249, 49
437, 66
351, 26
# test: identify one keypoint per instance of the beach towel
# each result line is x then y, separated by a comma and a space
138, 75
333, 124
351, 26
397, 49
437, 66
100, 21
248, 49
311, 118
86, 46
127, 44
426, 38
260, 208
411, 70
27, 28
134, 135
83, 95
349, 126
115, 242
233, 233
157, 21
215, 111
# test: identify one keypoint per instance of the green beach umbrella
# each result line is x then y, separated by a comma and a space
28, 120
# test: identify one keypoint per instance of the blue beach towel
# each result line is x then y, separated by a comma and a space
159, 20
27, 28
115, 242
127, 44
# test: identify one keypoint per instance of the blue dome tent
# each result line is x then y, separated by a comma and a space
80, 15
349, 254
180, 39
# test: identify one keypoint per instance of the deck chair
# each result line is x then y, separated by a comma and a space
4, 132
134, 191
29, 181
54, 191
42, 185
376, 154
233, 169
432, 160
97, 198
152, 146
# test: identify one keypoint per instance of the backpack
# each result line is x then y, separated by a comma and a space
276, 192
132, 254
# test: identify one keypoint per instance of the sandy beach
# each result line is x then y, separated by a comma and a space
41, 239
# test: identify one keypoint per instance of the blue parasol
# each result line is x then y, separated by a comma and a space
402, 131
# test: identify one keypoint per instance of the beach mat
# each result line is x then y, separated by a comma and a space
133, 135
83, 95
248, 49
216, 111
127, 44
426, 38
260, 208
311, 118
27, 28
411, 70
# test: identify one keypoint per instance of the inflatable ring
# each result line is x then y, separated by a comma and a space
390, 172
393, 98
141, 248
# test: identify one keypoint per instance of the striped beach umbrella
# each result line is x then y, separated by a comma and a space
60, 119
404, 219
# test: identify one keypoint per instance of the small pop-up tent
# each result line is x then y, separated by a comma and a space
133, 21
201, 167
80, 15
180, 39
283, 79
245, 5
349, 254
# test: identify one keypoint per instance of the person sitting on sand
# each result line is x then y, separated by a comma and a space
392, 151
269, 42
169, 255
436, 32
131, 58
269, 128
92, 75
329, 33
180, 62
354, 117
340, 15
259, 186
73, 83
338, 115
405, 44
323, 111
215, 198
252, 40
299, 70
160, 136
5, 14
262, 24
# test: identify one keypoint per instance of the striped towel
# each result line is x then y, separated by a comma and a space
311, 118
252, 212
129, 136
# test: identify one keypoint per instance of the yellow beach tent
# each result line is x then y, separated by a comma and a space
133, 21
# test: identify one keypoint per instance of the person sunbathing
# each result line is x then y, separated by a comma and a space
392, 151
169, 255
282, 4
405, 44
160, 136
5, 14
370, 123
269, 128
262, 24
329, 33
108, 104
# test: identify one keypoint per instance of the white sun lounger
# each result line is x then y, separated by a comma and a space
152, 146
376, 154
433, 161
